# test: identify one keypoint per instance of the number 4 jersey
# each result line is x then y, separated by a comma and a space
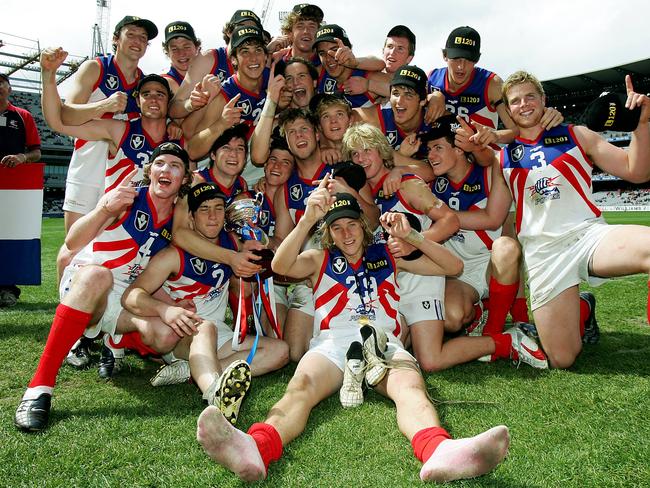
550, 181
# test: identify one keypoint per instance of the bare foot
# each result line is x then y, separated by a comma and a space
467, 458
228, 446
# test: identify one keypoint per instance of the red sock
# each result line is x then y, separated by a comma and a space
648, 310
268, 442
584, 314
426, 441
519, 310
133, 341
68, 326
502, 345
501, 297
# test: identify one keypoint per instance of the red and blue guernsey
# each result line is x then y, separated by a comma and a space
329, 85
297, 190
222, 68
394, 134
550, 181
134, 151
250, 103
126, 246
174, 75
469, 194
239, 186
471, 100
202, 281
347, 293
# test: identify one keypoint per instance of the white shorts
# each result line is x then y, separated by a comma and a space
559, 263
475, 274
86, 175
224, 333
334, 345
302, 299
281, 295
421, 297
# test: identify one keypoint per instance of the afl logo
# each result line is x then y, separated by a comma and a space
441, 185
137, 141
245, 107
112, 82
516, 153
264, 218
330, 86
141, 220
391, 135
296, 192
339, 264
199, 265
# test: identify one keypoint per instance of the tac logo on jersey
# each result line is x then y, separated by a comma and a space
141, 220
296, 192
441, 184
339, 264
246, 107
330, 86
264, 218
426, 304
516, 153
544, 189
221, 74
459, 237
391, 135
198, 265
137, 141
112, 82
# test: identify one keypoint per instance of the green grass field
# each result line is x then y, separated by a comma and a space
584, 427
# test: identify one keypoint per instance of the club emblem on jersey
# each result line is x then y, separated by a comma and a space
544, 189
296, 192
330, 86
441, 184
137, 141
516, 153
264, 218
339, 264
245, 106
112, 82
141, 220
221, 74
391, 135
426, 304
198, 265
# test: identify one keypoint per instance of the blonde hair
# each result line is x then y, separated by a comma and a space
519, 78
366, 136
327, 242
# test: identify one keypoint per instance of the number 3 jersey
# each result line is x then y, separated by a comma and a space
346, 293
126, 246
202, 281
469, 194
550, 181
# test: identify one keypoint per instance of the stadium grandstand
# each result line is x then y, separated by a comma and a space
570, 94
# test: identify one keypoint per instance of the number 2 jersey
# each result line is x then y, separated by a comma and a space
469, 194
345, 292
202, 281
550, 181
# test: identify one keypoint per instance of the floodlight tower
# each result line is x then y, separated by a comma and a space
101, 29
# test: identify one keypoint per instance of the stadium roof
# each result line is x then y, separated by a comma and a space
580, 89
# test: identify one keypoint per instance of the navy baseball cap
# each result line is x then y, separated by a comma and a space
203, 192
147, 25
413, 77
463, 42
179, 28
332, 32
157, 79
344, 206
608, 112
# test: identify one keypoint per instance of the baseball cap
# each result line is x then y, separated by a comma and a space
243, 33
447, 125
157, 79
310, 11
202, 192
240, 131
173, 149
241, 16
353, 174
147, 25
463, 42
331, 32
413, 77
344, 206
608, 112
179, 28
402, 31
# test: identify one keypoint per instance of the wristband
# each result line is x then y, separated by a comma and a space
269, 109
414, 238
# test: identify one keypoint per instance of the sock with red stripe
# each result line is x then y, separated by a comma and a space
519, 310
268, 442
133, 341
501, 297
584, 315
67, 327
502, 346
426, 441
648, 310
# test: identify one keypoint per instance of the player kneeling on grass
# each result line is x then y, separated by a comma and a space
355, 299
204, 336
112, 245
